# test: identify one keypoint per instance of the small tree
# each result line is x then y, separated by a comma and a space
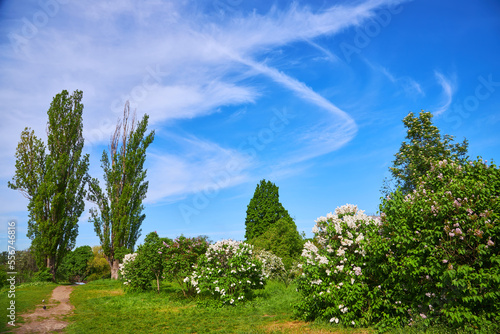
180, 255
151, 257
54, 181
283, 240
75, 265
264, 210
119, 216
424, 146
98, 266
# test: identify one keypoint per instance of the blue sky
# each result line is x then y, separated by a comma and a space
309, 95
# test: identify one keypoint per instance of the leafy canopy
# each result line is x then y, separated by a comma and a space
54, 180
424, 145
119, 216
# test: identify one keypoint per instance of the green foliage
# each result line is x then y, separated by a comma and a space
150, 256
263, 210
140, 268
3, 275
25, 265
228, 271
74, 267
283, 240
439, 248
98, 266
180, 255
54, 181
120, 252
119, 216
334, 284
425, 145
43, 275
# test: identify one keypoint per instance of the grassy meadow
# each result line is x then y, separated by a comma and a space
103, 307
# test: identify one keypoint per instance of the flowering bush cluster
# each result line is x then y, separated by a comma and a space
433, 258
180, 256
333, 283
438, 252
228, 271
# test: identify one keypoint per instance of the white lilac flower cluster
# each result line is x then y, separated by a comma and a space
333, 262
228, 270
272, 265
128, 258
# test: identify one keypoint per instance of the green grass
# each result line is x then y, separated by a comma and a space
101, 306
27, 296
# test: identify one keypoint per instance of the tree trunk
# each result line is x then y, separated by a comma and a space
114, 265
51, 264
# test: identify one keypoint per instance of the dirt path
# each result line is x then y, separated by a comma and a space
49, 320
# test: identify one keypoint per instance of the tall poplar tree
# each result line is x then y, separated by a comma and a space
119, 216
54, 181
263, 210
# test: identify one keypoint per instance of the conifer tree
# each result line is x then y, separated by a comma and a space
263, 210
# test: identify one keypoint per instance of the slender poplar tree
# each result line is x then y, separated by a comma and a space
54, 181
118, 217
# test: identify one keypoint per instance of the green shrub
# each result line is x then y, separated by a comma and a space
438, 252
42, 275
283, 240
180, 256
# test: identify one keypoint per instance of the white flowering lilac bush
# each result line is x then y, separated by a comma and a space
334, 285
272, 265
228, 271
125, 268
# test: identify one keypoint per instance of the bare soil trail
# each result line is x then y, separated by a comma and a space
49, 320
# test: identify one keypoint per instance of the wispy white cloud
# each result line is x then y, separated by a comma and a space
174, 63
447, 96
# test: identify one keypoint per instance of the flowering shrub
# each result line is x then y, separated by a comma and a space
438, 252
228, 271
180, 256
125, 268
334, 283
272, 265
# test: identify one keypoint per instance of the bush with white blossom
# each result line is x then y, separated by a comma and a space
272, 265
125, 267
228, 271
333, 283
